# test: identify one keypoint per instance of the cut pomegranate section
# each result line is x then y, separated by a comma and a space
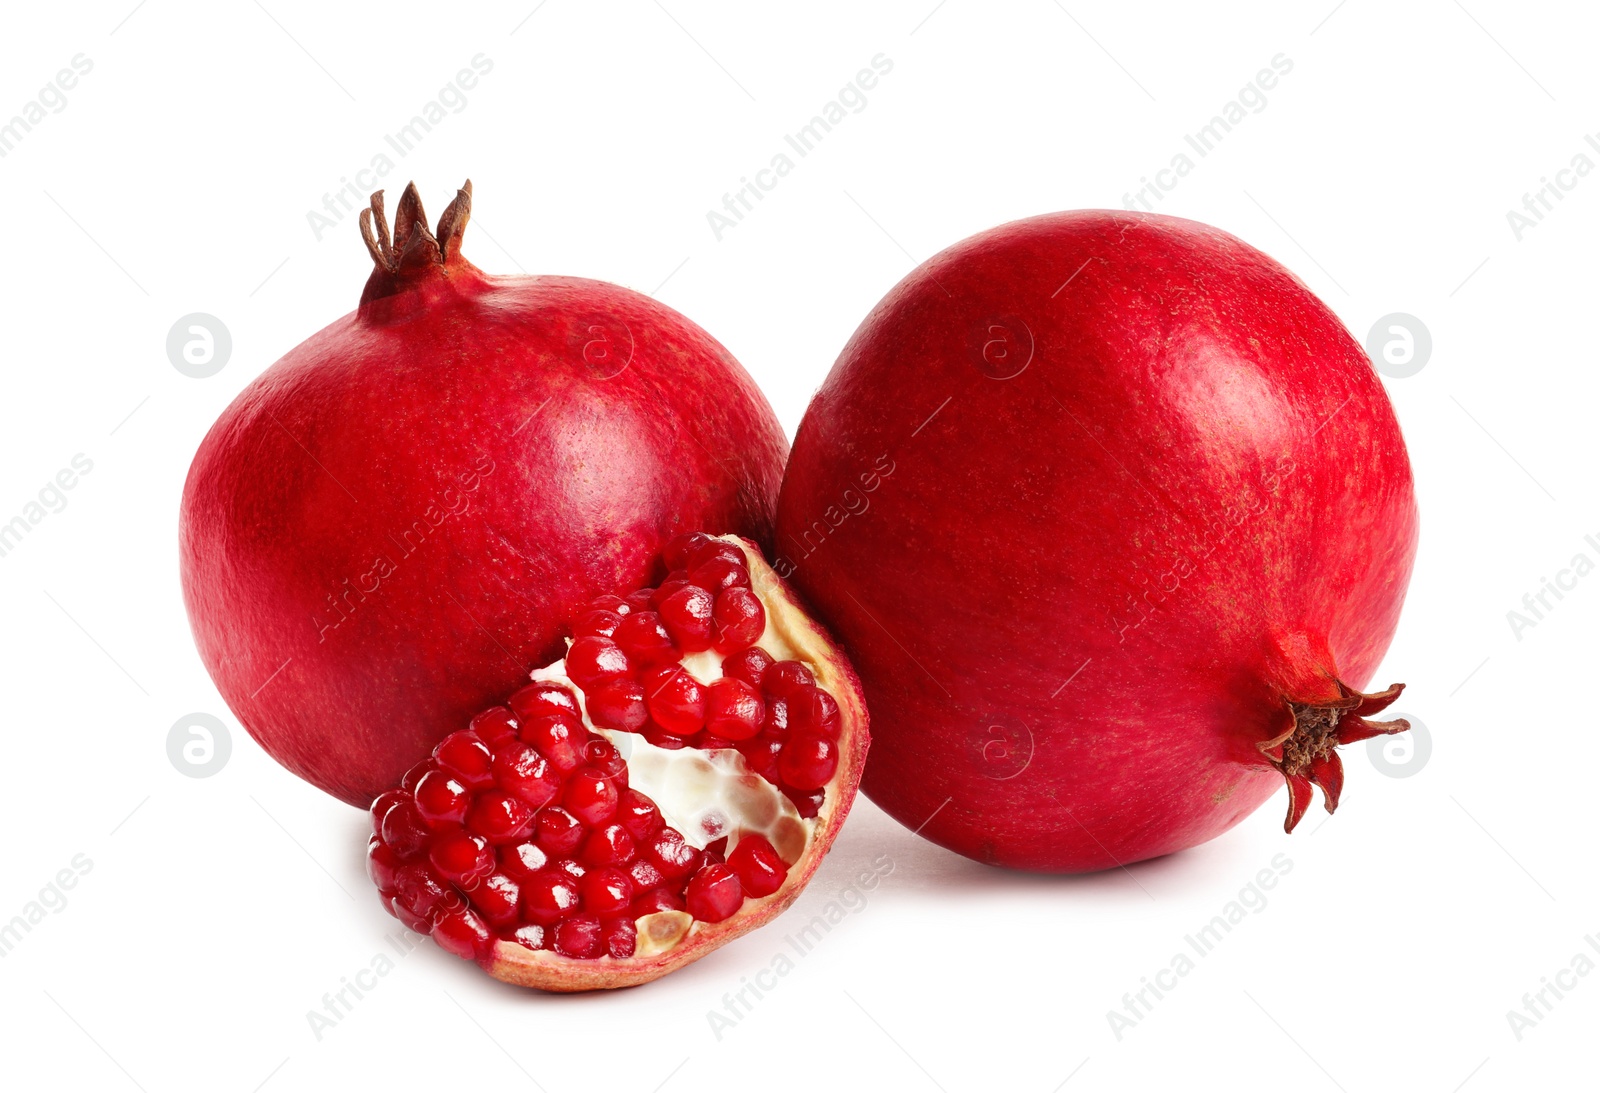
670, 784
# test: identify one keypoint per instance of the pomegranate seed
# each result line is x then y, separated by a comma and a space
710, 549
590, 796
596, 623
676, 699
638, 814
592, 661
808, 760
411, 919
807, 802
530, 936
610, 845
714, 893
462, 932
463, 858
739, 619
687, 616
618, 937
658, 899
777, 721
733, 709
414, 775
670, 854
785, 677
494, 724
465, 755
497, 899
609, 602
676, 553
640, 600
661, 738
812, 709
419, 890
382, 863
747, 665
548, 897
644, 639
558, 831
578, 936
604, 757
404, 828
500, 817
571, 868
383, 802
717, 849
761, 872
522, 860
672, 584
542, 699
618, 705
525, 774
559, 738
761, 754
719, 573
644, 875
441, 798
606, 891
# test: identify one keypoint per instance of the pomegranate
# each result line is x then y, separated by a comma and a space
670, 784
1116, 521
389, 524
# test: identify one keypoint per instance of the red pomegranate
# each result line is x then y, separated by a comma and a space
390, 524
671, 783
1116, 521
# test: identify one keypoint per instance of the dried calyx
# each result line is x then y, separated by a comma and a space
413, 249
1306, 752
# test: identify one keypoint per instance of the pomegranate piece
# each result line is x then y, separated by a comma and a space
1123, 647
565, 843
366, 501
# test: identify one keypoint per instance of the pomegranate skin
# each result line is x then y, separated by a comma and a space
390, 524
1101, 504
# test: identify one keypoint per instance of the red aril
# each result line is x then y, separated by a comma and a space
581, 855
759, 867
394, 519
1115, 520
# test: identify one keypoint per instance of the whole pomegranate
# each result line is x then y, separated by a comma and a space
1116, 521
671, 783
392, 522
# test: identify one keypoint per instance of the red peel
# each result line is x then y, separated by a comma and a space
408, 507
1092, 498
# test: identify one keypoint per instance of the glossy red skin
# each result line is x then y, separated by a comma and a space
468, 392
1194, 503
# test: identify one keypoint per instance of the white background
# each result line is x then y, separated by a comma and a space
217, 912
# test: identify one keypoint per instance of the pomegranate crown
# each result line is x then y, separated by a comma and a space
413, 250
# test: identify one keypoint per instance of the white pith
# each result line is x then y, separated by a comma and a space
705, 795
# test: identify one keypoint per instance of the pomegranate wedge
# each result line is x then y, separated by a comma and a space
670, 784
